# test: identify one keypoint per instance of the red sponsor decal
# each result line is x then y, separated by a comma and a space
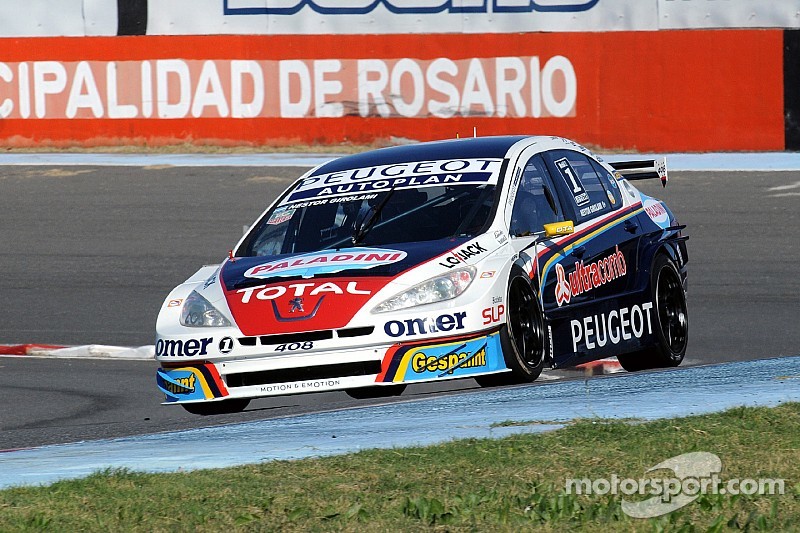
326, 262
492, 315
587, 277
300, 305
656, 211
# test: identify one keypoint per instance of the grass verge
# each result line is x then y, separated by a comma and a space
499, 485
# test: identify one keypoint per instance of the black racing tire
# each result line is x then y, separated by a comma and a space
671, 322
223, 407
524, 338
385, 391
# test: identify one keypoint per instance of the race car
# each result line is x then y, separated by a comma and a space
488, 258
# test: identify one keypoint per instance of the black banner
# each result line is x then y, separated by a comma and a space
132, 16
791, 88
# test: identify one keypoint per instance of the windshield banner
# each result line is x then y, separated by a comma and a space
414, 174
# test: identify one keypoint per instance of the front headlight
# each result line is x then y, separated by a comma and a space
436, 289
197, 312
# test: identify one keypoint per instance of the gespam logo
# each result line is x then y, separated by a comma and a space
312, 264
179, 384
441, 361
448, 363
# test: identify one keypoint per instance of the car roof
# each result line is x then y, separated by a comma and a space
468, 148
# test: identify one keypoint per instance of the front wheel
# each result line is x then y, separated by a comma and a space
223, 407
524, 338
671, 321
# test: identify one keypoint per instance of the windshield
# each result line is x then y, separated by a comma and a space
395, 215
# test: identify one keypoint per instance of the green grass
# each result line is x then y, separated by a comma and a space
485, 485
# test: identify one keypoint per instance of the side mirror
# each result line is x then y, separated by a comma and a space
559, 229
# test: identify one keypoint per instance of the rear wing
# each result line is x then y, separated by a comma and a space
643, 169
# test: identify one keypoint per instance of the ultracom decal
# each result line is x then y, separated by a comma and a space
325, 262
614, 327
587, 277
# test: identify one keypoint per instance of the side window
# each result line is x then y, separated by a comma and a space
532, 209
610, 183
586, 190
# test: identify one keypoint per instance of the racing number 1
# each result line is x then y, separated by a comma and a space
576, 187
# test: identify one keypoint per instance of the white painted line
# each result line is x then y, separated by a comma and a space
97, 351
795, 185
721, 162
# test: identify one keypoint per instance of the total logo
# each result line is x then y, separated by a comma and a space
312, 264
421, 326
458, 257
298, 290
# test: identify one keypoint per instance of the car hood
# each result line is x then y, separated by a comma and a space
320, 290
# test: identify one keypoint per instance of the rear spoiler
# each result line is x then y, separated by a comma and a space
643, 169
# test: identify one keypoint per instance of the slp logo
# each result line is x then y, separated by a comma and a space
460, 256
493, 314
310, 265
419, 326
586, 278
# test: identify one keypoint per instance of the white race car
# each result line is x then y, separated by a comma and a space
486, 258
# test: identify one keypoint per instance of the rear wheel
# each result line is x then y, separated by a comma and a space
217, 408
385, 391
671, 322
524, 337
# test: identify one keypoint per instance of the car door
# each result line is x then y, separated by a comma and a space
533, 202
596, 264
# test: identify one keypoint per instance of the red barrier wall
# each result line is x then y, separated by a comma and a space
660, 91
